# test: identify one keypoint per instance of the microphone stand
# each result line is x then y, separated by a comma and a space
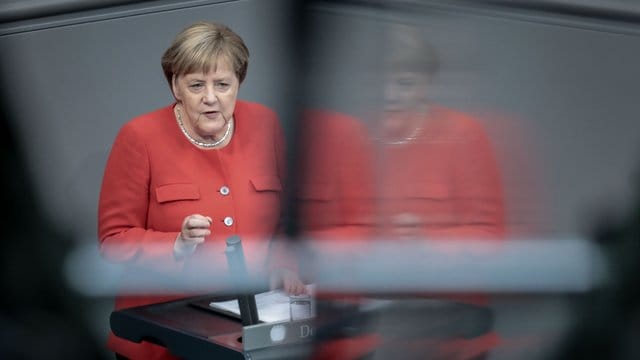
239, 275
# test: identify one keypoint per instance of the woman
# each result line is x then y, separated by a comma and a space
437, 176
183, 178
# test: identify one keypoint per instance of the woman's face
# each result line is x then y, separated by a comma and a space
405, 91
405, 96
208, 100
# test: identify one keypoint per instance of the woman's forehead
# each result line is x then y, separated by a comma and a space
219, 66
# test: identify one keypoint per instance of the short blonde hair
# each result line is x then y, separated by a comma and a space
410, 50
199, 47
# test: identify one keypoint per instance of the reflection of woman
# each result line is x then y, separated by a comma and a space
436, 174
185, 177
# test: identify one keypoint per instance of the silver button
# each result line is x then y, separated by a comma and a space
228, 221
224, 191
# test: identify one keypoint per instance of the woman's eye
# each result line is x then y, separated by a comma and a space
223, 85
195, 86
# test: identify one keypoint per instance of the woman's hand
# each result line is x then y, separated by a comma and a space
288, 281
194, 230
407, 226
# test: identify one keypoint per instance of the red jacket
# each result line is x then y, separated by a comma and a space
335, 185
447, 177
155, 177
446, 180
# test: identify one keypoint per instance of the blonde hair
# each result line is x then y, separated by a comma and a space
199, 47
410, 50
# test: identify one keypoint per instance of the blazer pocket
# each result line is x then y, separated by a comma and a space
317, 191
175, 192
266, 183
428, 190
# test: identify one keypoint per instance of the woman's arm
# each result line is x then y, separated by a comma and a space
479, 199
123, 205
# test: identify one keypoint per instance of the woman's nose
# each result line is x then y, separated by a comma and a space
210, 96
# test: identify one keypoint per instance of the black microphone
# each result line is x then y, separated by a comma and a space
239, 275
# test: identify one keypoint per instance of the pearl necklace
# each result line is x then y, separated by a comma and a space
200, 143
405, 140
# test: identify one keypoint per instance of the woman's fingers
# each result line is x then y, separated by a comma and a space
195, 228
198, 221
197, 232
292, 284
294, 288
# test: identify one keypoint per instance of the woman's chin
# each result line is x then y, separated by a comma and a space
208, 128
395, 125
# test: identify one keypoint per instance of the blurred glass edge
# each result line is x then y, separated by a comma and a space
524, 266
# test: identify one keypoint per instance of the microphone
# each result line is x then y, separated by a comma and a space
239, 275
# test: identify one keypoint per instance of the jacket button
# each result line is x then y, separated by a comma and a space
228, 221
224, 190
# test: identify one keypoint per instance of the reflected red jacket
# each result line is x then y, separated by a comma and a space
447, 177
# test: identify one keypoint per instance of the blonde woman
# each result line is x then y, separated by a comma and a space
181, 179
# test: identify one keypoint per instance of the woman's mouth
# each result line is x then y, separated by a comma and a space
211, 114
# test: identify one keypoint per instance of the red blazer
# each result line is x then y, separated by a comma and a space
155, 177
448, 177
335, 184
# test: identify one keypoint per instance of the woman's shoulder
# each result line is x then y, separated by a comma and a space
324, 122
151, 123
455, 123
153, 118
253, 111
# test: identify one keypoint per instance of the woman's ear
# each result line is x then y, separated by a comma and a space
174, 87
